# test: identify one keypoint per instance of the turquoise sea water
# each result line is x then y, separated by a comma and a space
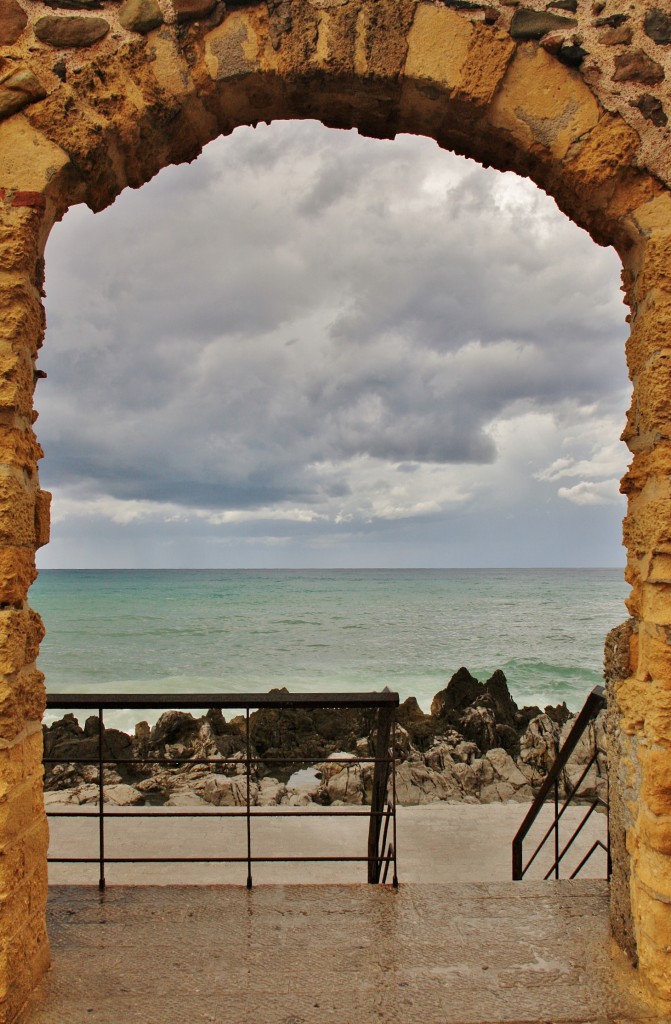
239, 630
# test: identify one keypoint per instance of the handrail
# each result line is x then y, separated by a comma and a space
379, 855
595, 703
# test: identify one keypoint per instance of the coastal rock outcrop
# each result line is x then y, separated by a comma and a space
476, 745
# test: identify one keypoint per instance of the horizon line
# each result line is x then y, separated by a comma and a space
334, 568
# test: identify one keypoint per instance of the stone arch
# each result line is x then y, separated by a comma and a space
91, 104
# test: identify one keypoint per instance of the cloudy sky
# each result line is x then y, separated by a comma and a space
313, 349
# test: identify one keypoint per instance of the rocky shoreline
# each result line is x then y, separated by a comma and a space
476, 746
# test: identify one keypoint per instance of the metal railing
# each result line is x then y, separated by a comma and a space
595, 702
381, 849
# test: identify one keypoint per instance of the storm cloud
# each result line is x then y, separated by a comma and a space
308, 345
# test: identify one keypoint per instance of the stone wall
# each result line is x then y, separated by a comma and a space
97, 95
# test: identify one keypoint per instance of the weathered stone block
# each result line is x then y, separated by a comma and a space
14, 912
542, 105
12, 866
380, 37
656, 785
655, 653
22, 700
29, 159
14, 626
16, 812
17, 511
602, 154
655, 832
232, 49
42, 518
17, 573
446, 50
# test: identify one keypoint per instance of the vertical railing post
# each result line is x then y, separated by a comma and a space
383, 731
249, 803
101, 802
556, 791
393, 798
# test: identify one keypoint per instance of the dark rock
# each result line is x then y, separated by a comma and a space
491, 15
71, 30
503, 705
652, 109
173, 727
462, 5
13, 20
527, 24
191, 10
637, 66
507, 738
658, 26
572, 55
564, 5
60, 70
559, 713
92, 726
141, 15
461, 691
478, 725
74, 5
421, 728
612, 21
526, 715
19, 88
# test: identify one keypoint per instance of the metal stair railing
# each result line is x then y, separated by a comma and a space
381, 848
595, 703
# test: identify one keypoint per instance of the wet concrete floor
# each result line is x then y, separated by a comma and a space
345, 954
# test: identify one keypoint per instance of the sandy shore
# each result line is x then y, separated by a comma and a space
441, 842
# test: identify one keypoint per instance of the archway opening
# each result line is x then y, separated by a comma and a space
338, 353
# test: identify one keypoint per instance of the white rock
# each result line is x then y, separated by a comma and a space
346, 785
270, 792
505, 767
184, 798
122, 795
226, 791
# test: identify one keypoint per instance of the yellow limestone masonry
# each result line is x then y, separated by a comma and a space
575, 96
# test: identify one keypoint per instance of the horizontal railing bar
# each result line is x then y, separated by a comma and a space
297, 813
206, 860
171, 701
324, 759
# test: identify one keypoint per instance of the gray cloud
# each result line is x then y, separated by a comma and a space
300, 311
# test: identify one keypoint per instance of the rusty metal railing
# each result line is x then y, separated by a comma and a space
381, 849
595, 702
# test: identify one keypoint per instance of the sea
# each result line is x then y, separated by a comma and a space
237, 630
